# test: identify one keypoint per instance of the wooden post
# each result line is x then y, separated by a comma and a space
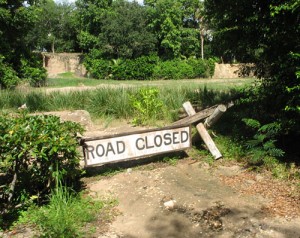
208, 141
212, 119
203, 132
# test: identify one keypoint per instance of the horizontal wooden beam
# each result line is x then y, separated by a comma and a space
193, 119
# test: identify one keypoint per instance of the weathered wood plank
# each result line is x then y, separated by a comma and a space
215, 116
196, 117
203, 132
208, 141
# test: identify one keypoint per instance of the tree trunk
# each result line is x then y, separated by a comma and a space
202, 45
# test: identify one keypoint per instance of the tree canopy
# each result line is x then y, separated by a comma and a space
16, 61
266, 33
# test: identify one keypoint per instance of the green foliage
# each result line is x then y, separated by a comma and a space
16, 20
109, 102
140, 68
98, 68
263, 143
147, 106
265, 33
125, 33
173, 69
171, 160
231, 149
166, 22
180, 69
33, 71
147, 67
8, 76
66, 215
56, 33
31, 148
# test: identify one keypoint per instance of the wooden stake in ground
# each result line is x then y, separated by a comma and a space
203, 132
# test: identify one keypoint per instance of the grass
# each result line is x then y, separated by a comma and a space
66, 215
110, 102
69, 80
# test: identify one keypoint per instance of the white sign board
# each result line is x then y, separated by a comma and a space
128, 146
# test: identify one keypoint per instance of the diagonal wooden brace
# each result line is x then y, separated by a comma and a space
203, 132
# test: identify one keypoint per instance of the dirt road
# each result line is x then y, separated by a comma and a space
189, 200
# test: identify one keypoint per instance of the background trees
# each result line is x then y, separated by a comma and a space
16, 19
55, 29
125, 33
267, 34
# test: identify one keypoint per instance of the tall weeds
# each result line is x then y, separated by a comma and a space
113, 102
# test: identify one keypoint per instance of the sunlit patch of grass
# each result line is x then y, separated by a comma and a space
66, 215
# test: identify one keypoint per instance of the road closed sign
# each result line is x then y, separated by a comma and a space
102, 150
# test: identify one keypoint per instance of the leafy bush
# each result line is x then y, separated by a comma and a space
180, 69
172, 69
31, 148
34, 73
263, 143
147, 67
8, 76
140, 68
98, 68
147, 105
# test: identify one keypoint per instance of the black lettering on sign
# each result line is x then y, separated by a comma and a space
100, 148
184, 136
110, 148
120, 147
157, 141
167, 138
137, 144
147, 145
90, 149
175, 137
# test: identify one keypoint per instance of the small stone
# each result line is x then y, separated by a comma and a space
170, 204
129, 171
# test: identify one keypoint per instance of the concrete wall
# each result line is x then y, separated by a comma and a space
57, 63
226, 71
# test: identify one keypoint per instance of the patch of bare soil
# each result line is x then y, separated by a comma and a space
193, 199
284, 197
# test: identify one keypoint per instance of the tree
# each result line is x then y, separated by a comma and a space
16, 19
266, 33
89, 21
125, 33
166, 23
179, 27
54, 30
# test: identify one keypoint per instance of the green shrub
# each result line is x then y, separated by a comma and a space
140, 68
263, 144
99, 68
147, 67
8, 76
35, 76
31, 148
180, 69
147, 105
